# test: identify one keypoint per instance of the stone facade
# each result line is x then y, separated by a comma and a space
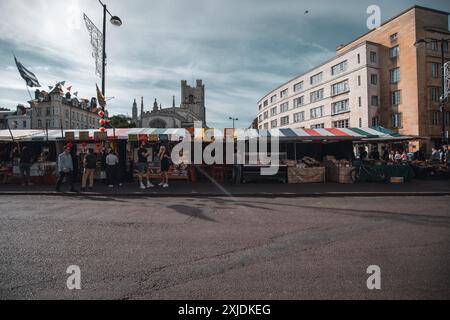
192, 109
53, 111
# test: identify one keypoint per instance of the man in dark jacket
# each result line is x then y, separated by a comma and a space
26, 161
90, 164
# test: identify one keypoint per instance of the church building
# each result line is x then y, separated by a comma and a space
191, 109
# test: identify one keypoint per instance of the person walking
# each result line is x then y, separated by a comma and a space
112, 162
26, 161
90, 164
142, 168
165, 165
65, 168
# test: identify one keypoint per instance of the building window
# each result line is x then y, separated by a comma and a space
259, 107
339, 68
266, 125
39, 123
359, 58
317, 112
375, 101
316, 95
375, 121
316, 78
339, 107
259, 119
397, 120
395, 97
435, 70
273, 111
341, 123
374, 79
298, 86
284, 107
284, 120
266, 103
359, 81
394, 75
266, 115
298, 102
435, 94
373, 57
360, 122
436, 118
273, 99
446, 46
47, 112
434, 46
318, 126
284, 93
359, 101
339, 88
393, 37
273, 123
299, 117
394, 52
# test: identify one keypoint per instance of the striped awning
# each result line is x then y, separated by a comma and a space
321, 134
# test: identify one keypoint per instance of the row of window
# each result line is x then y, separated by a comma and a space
316, 79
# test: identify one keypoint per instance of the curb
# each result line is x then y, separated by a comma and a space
240, 195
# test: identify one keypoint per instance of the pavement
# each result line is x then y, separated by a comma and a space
202, 189
224, 248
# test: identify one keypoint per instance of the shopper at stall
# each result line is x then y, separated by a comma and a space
65, 168
90, 164
142, 168
112, 162
374, 154
435, 155
385, 155
26, 161
165, 165
397, 156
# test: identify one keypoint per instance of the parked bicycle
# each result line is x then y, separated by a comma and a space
363, 172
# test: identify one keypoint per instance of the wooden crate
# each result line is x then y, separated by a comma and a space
339, 174
306, 175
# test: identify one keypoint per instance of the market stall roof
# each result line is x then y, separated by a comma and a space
322, 134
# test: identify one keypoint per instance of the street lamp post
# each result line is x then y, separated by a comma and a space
442, 98
116, 21
234, 119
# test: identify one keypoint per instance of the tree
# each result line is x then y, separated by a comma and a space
121, 121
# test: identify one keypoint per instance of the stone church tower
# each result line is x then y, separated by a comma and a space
134, 117
191, 110
193, 99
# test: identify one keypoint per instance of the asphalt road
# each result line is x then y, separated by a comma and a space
224, 248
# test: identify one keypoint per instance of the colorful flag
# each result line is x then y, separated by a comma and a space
75, 94
27, 75
69, 88
100, 98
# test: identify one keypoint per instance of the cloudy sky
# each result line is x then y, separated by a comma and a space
240, 48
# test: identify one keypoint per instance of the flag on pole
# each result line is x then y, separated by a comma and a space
100, 98
50, 88
69, 88
75, 94
27, 75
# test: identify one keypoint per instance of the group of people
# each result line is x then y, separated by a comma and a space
441, 155
112, 169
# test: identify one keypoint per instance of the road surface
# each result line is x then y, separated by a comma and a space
224, 248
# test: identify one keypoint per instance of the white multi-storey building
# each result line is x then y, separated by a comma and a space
342, 92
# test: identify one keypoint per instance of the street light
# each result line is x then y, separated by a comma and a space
115, 21
442, 99
234, 119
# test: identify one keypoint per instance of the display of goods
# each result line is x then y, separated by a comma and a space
311, 162
339, 174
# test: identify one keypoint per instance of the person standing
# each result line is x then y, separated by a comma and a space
65, 168
142, 167
90, 164
26, 161
111, 168
165, 165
